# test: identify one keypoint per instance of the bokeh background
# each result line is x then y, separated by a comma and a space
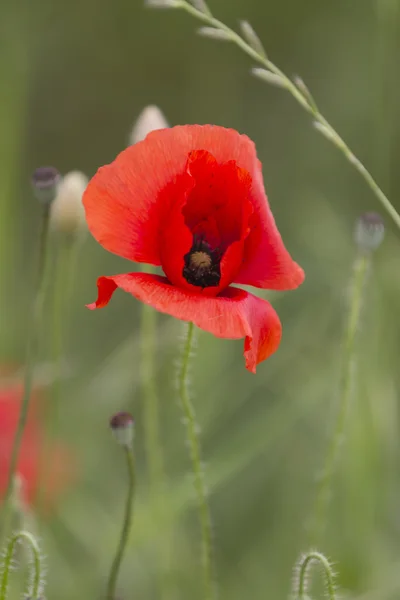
74, 77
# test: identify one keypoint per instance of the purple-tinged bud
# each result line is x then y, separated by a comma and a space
122, 426
369, 231
45, 182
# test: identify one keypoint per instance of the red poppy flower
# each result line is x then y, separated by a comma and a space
191, 199
59, 462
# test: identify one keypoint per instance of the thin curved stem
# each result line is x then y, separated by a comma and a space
32, 349
345, 391
198, 472
36, 568
303, 97
303, 569
126, 527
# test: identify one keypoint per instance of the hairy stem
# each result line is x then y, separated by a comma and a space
345, 391
36, 567
198, 472
304, 99
126, 527
32, 349
303, 576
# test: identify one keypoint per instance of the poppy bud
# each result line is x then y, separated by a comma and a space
45, 181
122, 427
150, 119
67, 212
369, 231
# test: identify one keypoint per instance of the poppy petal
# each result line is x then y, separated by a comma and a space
266, 262
234, 314
215, 206
127, 201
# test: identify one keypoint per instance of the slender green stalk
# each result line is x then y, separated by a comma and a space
198, 472
32, 349
65, 268
36, 568
154, 454
151, 426
64, 275
345, 391
299, 93
126, 527
302, 578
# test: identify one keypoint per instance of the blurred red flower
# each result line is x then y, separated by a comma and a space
191, 199
57, 464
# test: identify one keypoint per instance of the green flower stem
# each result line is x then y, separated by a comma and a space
303, 575
64, 276
198, 472
151, 415
36, 568
345, 391
67, 255
151, 426
126, 527
302, 96
32, 349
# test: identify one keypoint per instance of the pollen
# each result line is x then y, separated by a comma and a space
200, 260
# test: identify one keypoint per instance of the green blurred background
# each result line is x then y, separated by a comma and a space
74, 77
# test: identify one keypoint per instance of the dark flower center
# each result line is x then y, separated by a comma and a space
202, 264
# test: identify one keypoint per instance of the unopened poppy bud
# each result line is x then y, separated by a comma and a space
45, 181
369, 231
122, 427
67, 212
150, 119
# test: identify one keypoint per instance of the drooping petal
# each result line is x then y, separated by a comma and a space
234, 314
127, 201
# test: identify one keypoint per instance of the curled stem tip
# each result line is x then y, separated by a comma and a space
198, 471
252, 47
126, 526
36, 568
302, 575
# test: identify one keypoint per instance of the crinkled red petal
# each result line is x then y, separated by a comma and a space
266, 262
128, 201
215, 207
221, 194
233, 314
